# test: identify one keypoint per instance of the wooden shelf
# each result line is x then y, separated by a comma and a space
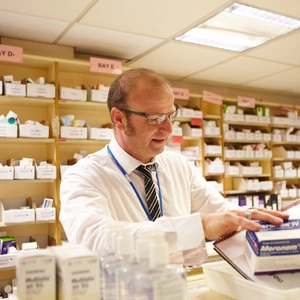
27, 223
25, 141
247, 159
245, 176
86, 105
26, 101
34, 181
245, 141
285, 143
212, 117
236, 192
212, 136
191, 138
248, 124
285, 159
83, 142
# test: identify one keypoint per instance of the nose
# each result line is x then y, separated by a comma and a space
166, 126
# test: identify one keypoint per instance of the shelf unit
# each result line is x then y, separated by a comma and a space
71, 73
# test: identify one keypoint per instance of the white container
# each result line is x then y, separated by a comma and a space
251, 119
98, 95
9, 131
27, 172
70, 132
41, 213
73, 94
41, 90
13, 89
101, 133
34, 131
222, 278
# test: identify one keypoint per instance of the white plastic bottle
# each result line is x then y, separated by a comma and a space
160, 281
125, 258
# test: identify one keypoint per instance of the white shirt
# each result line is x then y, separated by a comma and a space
94, 191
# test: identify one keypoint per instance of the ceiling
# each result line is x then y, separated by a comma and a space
141, 33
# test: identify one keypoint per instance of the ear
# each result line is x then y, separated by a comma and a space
118, 118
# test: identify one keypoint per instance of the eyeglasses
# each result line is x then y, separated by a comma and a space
154, 119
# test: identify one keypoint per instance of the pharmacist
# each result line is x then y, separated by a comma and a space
134, 180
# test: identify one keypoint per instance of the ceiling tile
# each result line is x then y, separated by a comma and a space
286, 50
106, 42
284, 81
30, 28
181, 59
63, 10
240, 70
154, 18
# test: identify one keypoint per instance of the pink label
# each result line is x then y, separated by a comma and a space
105, 66
177, 139
245, 102
181, 93
10, 53
212, 98
196, 121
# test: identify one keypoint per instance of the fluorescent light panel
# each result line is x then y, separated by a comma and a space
239, 27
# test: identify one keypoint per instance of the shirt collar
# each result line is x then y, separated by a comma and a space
128, 163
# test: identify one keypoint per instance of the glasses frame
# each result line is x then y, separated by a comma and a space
144, 115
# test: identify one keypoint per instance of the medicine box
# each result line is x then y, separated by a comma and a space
45, 172
14, 89
186, 112
6, 172
99, 95
16, 211
41, 90
36, 273
79, 273
233, 117
251, 119
73, 94
22, 172
187, 130
100, 133
41, 213
34, 131
8, 260
70, 132
9, 131
273, 248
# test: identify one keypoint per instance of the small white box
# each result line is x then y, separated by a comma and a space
267, 137
233, 117
246, 185
6, 172
46, 172
229, 135
212, 149
197, 114
249, 153
34, 131
211, 130
36, 273
77, 265
284, 193
11, 212
99, 95
101, 133
281, 152
8, 260
73, 94
289, 137
41, 213
297, 154
251, 119
177, 131
187, 130
41, 90
258, 136
268, 153
292, 193
259, 154
229, 153
239, 153
214, 168
266, 185
186, 112
280, 120
23, 172
13, 89
70, 132
276, 137
10, 131
249, 136
278, 173
240, 135
290, 173
232, 170
264, 120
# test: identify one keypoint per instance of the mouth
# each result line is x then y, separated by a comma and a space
161, 141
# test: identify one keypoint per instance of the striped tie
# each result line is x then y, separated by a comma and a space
152, 201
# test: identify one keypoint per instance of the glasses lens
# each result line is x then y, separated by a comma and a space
173, 115
156, 119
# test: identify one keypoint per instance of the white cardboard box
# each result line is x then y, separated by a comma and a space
282, 152
27, 172
45, 172
251, 119
41, 90
8, 260
212, 149
34, 131
187, 130
43, 214
36, 272
11, 212
98, 95
10, 131
246, 185
12, 89
211, 130
70, 132
77, 265
6, 172
73, 94
100, 133
233, 117
186, 112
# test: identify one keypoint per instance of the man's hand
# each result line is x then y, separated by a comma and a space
216, 225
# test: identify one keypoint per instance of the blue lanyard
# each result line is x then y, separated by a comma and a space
134, 188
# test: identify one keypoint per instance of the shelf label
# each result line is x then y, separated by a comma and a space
196, 121
10, 53
183, 94
245, 102
212, 98
105, 66
177, 139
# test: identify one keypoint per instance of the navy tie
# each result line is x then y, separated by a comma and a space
151, 196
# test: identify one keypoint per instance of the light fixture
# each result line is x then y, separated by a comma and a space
240, 27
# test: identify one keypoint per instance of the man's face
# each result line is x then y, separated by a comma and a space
138, 138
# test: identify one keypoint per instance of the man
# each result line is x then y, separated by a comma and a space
107, 186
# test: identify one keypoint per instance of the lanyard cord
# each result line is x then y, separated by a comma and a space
134, 188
